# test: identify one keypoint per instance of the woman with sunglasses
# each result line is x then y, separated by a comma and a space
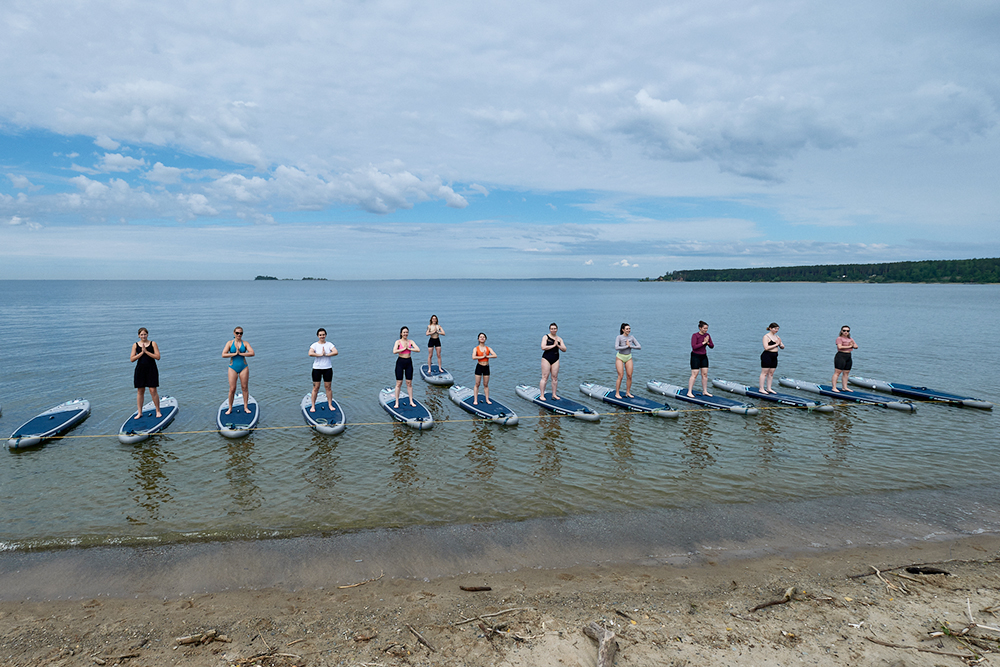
843, 361
236, 350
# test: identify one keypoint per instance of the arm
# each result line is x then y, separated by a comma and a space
708, 341
560, 343
621, 343
413, 347
634, 343
312, 352
333, 349
547, 347
133, 357
249, 352
430, 330
155, 348
440, 330
492, 355
226, 354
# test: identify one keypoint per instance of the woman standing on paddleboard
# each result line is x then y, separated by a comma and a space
434, 331
624, 344
551, 344
843, 361
146, 375
404, 363
235, 350
482, 353
769, 358
699, 358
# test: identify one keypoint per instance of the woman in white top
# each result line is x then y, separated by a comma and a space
624, 344
322, 351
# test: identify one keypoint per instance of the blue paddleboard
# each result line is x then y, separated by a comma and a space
705, 401
635, 403
563, 406
136, 430
418, 417
920, 393
323, 420
239, 422
51, 423
494, 411
436, 375
779, 398
853, 396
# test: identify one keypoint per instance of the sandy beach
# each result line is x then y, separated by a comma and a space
829, 608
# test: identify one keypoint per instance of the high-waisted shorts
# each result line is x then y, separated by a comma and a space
482, 369
433, 342
699, 361
768, 359
624, 358
404, 367
324, 374
843, 361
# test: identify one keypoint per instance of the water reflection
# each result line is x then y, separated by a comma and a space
841, 442
697, 437
240, 471
622, 442
548, 459
768, 433
321, 473
404, 456
152, 484
482, 454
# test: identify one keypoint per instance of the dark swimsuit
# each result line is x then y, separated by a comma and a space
551, 355
146, 373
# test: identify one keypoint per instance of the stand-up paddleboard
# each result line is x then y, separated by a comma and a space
781, 399
714, 402
920, 393
136, 430
563, 406
494, 411
635, 404
416, 417
436, 375
51, 423
853, 396
323, 420
239, 422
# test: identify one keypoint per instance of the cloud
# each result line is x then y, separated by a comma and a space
589, 262
106, 143
625, 264
163, 174
28, 224
22, 183
118, 162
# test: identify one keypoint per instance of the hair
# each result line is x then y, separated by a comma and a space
622, 330
481, 334
554, 325
402, 329
846, 326
141, 329
433, 317
773, 325
321, 329
235, 328
702, 323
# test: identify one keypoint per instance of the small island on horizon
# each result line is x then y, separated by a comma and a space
966, 271
273, 278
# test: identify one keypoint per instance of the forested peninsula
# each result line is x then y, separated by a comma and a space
929, 271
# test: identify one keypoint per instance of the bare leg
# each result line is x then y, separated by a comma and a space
628, 379
140, 394
763, 379
315, 392
694, 374
620, 367
233, 377
409, 392
486, 387
156, 400
245, 381
430, 355
546, 369
555, 380
399, 383
833, 382
843, 380
329, 397
475, 391
439, 358
704, 381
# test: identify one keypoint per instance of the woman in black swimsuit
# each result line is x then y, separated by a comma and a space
551, 344
144, 356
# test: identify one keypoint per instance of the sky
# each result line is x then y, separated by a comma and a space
383, 139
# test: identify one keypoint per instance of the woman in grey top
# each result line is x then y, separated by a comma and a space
624, 344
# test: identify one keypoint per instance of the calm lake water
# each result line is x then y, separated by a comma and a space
62, 340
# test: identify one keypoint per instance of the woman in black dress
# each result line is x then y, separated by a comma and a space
144, 356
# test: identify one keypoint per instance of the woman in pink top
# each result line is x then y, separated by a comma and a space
843, 361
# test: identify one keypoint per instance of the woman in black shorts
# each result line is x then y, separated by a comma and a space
769, 358
404, 363
843, 361
482, 354
144, 356
434, 332
700, 340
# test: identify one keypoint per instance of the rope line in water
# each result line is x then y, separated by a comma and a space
629, 413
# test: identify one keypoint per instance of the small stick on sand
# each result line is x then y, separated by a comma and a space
921, 649
606, 644
789, 592
420, 638
475, 589
362, 583
496, 613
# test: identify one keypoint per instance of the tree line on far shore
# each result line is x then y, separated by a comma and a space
927, 271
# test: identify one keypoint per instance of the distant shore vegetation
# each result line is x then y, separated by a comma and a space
927, 271
273, 278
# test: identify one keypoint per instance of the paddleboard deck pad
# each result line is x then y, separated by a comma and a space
418, 417
436, 375
855, 396
563, 406
920, 393
713, 402
635, 404
53, 422
495, 411
779, 398
136, 430
239, 422
324, 420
